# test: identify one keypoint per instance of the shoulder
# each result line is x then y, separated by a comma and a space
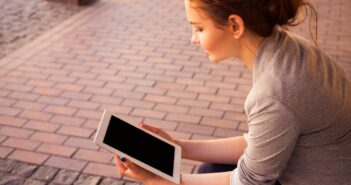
269, 107
289, 67
300, 76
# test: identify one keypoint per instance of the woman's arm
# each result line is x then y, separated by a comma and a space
128, 169
196, 179
226, 150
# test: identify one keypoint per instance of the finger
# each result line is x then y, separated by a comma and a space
150, 128
117, 162
120, 166
129, 165
116, 156
141, 121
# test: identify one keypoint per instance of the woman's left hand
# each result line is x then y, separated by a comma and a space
129, 169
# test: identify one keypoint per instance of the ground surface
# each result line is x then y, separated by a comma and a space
22, 21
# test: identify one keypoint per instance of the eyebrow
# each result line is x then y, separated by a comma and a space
194, 22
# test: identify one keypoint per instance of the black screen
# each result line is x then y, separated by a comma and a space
140, 145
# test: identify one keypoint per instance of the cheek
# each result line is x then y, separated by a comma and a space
208, 42
214, 41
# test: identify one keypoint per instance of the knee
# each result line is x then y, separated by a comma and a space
205, 168
212, 168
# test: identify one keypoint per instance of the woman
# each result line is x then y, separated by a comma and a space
299, 108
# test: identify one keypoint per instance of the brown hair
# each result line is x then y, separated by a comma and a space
259, 16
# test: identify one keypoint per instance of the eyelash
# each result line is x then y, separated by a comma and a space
199, 30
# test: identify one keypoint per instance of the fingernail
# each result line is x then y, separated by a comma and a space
141, 122
123, 159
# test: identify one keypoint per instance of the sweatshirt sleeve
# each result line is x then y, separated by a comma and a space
272, 135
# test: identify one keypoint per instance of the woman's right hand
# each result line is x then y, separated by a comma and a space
158, 131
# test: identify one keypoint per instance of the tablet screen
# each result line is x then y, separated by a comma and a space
140, 145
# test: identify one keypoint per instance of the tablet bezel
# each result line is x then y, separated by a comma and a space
100, 135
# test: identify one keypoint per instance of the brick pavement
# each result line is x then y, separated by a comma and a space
135, 58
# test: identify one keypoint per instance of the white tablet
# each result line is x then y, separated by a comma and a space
141, 146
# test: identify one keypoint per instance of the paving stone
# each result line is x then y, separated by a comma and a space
7, 165
11, 180
133, 183
1, 174
111, 181
65, 177
85, 179
45, 173
34, 182
24, 170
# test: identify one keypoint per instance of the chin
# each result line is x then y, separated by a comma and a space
215, 59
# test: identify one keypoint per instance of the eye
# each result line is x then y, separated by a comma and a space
199, 29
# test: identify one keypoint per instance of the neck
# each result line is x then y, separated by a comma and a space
250, 46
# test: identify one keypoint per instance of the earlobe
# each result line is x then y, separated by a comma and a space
237, 26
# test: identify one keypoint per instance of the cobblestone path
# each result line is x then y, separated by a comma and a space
20, 173
23, 20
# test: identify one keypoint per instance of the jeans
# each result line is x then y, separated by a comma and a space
212, 168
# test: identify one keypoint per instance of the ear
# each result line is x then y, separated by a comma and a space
237, 26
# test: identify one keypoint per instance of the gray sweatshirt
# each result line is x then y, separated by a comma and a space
299, 117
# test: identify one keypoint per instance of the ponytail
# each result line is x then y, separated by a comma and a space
286, 13
260, 16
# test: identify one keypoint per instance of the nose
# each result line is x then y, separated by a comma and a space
194, 39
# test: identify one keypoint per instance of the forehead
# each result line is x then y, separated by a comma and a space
194, 13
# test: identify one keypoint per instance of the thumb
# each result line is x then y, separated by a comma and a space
127, 163
120, 166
